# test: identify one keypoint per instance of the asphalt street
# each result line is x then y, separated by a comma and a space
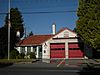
39, 68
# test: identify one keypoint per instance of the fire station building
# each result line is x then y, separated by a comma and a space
63, 44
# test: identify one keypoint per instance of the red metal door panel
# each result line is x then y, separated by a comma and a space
74, 50
57, 50
75, 54
57, 46
73, 45
57, 54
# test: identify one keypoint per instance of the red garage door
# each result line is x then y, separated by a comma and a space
75, 50
57, 50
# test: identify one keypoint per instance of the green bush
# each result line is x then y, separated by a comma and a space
14, 54
32, 55
21, 56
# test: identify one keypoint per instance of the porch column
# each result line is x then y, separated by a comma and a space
25, 50
37, 52
31, 49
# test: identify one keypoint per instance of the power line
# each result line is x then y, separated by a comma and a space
44, 12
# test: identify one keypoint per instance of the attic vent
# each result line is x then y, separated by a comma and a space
66, 34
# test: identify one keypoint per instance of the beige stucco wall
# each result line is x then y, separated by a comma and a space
46, 49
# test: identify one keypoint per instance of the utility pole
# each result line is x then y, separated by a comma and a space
9, 25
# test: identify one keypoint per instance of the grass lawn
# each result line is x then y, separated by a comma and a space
6, 62
16, 60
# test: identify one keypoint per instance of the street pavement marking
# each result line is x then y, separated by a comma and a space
61, 62
86, 61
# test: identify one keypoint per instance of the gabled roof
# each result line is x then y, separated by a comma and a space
39, 39
65, 28
34, 40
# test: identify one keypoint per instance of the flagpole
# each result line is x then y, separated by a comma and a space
9, 24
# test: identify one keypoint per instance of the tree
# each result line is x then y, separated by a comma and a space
31, 33
74, 29
16, 24
88, 24
16, 21
14, 54
4, 41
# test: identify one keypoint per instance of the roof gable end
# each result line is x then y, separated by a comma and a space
65, 33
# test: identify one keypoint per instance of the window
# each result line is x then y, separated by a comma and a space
34, 49
29, 49
22, 49
40, 49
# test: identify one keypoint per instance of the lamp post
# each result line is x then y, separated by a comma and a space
9, 25
18, 34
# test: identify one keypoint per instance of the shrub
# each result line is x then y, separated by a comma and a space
14, 54
21, 56
32, 55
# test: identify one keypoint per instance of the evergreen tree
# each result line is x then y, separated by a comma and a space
4, 41
16, 21
31, 33
16, 24
88, 24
